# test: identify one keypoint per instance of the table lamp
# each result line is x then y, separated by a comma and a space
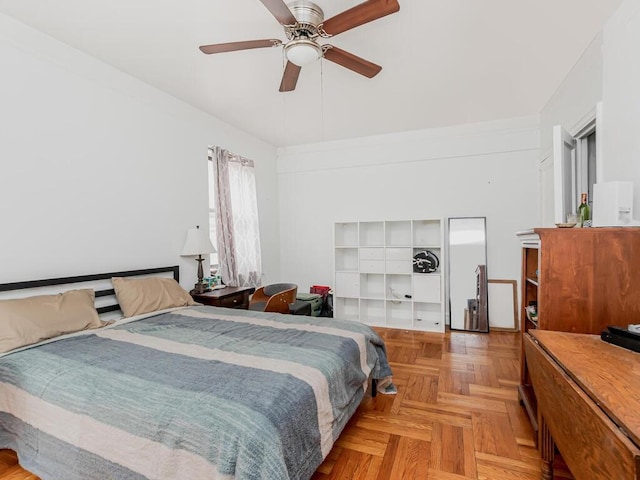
198, 243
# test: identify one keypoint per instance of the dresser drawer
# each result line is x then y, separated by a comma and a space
230, 297
237, 300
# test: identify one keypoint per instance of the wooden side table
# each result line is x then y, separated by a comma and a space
229, 297
588, 398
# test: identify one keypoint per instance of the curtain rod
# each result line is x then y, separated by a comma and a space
233, 158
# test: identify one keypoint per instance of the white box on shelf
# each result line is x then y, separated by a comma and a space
427, 287
371, 253
371, 266
398, 260
372, 260
398, 266
396, 253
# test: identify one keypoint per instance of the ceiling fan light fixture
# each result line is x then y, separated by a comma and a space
302, 52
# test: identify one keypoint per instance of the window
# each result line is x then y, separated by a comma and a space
233, 213
575, 167
586, 163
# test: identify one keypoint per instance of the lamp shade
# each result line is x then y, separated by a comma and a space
197, 243
302, 52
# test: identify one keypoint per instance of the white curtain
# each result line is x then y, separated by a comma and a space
238, 231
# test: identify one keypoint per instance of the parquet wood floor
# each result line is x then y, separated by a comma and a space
456, 416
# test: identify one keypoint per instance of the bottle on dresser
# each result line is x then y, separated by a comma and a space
584, 212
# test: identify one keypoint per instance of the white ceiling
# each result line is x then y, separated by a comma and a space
444, 62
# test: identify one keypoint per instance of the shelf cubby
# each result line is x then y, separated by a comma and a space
372, 312
347, 308
371, 285
427, 316
398, 286
426, 233
397, 233
348, 284
371, 234
399, 314
346, 234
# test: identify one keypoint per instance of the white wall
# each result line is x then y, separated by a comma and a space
472, 170
572, 105
608, 71
621, 97
101, 172
576, 96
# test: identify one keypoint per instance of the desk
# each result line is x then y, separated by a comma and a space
230, 297
588, 394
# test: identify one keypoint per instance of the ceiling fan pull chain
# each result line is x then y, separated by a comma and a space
322, 99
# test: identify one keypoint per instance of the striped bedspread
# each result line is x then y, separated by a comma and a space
198, 393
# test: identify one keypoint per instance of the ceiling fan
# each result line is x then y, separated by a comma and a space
304, 24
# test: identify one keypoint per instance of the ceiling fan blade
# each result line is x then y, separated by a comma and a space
290, 77
233, 46
359, 15
352, 62
280, 10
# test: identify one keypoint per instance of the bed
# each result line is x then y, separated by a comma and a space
185, 392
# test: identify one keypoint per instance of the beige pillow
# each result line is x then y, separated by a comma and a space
144, 295
28, 320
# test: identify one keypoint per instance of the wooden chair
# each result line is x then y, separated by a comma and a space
274, 298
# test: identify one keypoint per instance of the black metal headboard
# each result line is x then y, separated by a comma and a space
106, 292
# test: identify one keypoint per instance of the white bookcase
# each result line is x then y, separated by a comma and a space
374, 278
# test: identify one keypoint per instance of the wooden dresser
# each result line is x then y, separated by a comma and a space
581, 280
588, 394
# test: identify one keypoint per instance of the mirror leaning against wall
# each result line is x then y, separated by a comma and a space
467, 274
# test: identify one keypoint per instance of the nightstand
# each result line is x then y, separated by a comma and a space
229, 297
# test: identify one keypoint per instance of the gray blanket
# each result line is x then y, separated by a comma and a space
200, 393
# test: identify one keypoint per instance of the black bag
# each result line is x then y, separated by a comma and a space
425, 262
327, 306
